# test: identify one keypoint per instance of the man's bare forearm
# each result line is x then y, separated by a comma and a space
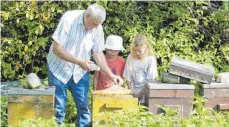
101, 62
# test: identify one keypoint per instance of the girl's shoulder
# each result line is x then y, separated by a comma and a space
129, 57
121, 59
151, 59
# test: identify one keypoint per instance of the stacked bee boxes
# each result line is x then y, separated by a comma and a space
111, 99
175, 91
191, 70
170, 95
217, 96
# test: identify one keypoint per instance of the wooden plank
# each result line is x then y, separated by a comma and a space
33, 99
174, 79
165, 90
113, 95
6, 85
10, 84
192, 70
171, 93
160, 85
215, 85
41, 91
215, 92
223, 106
213, 102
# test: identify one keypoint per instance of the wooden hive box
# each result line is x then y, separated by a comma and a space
6, 85
192, 70
217, 95
111, 100
174, 79
30, 103
175, 96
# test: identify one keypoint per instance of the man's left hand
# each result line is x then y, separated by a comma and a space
117, 80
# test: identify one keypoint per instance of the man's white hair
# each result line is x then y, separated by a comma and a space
96, 12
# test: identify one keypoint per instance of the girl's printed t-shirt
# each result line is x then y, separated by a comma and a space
140, 72
117, 67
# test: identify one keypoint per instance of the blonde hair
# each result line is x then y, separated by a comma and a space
140, 41
97, 12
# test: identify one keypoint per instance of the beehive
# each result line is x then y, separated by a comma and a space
191, 70
112, 99
30, 103
175, 96
217, 96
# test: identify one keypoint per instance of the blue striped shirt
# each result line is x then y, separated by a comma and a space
70, 33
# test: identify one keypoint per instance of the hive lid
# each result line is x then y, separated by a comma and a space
113, 90
44, 90
202, 68
160, 85
215, 85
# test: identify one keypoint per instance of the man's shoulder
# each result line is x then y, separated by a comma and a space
74, 12
99, 28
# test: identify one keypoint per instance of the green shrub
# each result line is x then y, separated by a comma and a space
190, 30
200, 117
4, 114
37, 122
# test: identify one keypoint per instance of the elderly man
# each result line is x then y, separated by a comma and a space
78, 33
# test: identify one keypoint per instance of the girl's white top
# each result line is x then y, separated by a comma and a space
140, 72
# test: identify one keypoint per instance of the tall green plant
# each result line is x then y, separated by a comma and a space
190, 30
4, 114
200, 117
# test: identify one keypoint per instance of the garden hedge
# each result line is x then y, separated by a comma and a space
197, 31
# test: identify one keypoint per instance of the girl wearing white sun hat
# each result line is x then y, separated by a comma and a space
115, 62
114, 42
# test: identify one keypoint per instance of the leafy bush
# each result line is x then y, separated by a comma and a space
26, 35
200, 117
4, 111
194, 30
38, 122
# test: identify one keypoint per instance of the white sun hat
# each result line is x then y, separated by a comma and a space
114, 42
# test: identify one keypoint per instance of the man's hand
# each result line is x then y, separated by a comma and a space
117, 79
84, 64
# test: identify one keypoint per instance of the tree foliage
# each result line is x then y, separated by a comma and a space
197, 31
